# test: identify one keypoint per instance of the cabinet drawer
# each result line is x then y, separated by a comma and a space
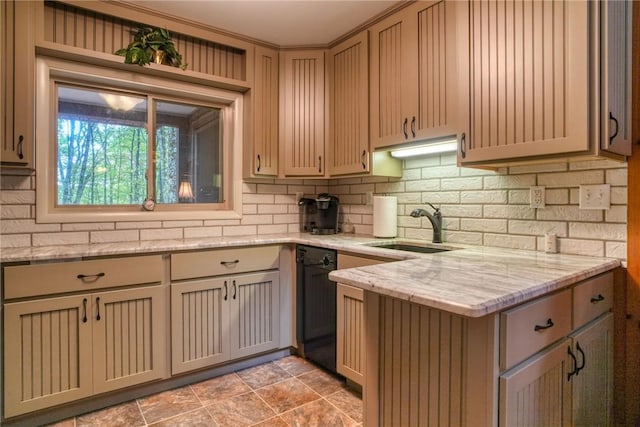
45, 279
223, 261
527, 328
591, 298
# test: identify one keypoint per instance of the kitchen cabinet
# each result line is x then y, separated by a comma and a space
413, 68
265, 112
72, 347
227, 303
302, 112
615, 66
17, 76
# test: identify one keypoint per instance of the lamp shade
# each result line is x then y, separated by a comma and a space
185, 191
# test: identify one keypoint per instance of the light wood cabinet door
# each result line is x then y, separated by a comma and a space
349, 112
254, 313
615, 56
529, 79
18, 83
537, 392
302, 112
350, 332
593, 384
128, 338
265, 112
47, 353
200, 324
413, 75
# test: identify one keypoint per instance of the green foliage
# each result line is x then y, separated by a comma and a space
147, 41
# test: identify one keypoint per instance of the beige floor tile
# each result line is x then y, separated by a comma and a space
286, 395
168, 404
319, 413
127, 414
243, 410
198, 418
263, 375
219, 388
322, 382
295, 365
349, 402
272, 422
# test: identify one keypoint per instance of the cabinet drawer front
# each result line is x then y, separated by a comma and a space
223, 261
45, 279
530, 327
591, 298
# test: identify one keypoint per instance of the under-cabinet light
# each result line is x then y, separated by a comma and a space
424, 149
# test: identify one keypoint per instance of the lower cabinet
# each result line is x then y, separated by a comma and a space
223, 318
62, 349
569, 384
350, 333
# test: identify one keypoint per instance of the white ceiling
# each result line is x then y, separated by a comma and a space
284, 23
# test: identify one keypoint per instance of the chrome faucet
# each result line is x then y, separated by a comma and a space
436, 221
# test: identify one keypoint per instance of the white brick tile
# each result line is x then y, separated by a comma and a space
289, 181
616, 177
574, 196
272, 229
293, 228
409, 221
293, 209
462, 211
239, 230
374, 179
307, 190
494, 196
363, 229
15, 241
138, 225
556, 196
420, 162
418, 234
50, 239
568, 213
15, 182
619, 195
257, 198
595, 164
510, 241
390, 187
537, 228
600, 231
256, 219
409, 198
177, 224
469, 183
615, 250
451, 223
161, 234
411, 174
423, 185
367, 219
353, 218
25, 226
316, 182
352, 199
508, 181
509, 211
449, 159
196, 232
484, 225
517, 197
437, 197
17, 197
221, 222
348, 181
249, 209
448, 171
538, 168
581, 247
15, 211
114, 236
248, 188
285, 199
362, 209
462, 237
477, 172
571, 179
272, 209
362, 188
340, 189
616, 214
286, 219
88, 226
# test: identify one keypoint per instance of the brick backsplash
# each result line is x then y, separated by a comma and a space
479, 207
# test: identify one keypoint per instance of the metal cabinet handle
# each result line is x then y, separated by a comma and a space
98, 304
463, 143
363, 159
413, 127
581, 367
404, 128
84, 310
86, 277
615, 121
543, 327
226, 290
320, 164
258, 162
597, 299
575, 364
229, 263
234, 289
20, 140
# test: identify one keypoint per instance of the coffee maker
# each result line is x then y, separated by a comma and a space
319, 215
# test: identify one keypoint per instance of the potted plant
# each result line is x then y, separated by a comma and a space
151, 45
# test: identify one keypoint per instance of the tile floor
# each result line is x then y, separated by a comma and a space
286, 392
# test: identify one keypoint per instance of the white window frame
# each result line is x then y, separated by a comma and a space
49, 69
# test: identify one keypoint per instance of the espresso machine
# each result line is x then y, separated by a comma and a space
319, 215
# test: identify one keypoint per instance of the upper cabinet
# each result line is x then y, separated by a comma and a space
615, 66
265, 112
302, 112
413, 84
17, 76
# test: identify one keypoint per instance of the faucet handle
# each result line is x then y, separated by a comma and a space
433, 207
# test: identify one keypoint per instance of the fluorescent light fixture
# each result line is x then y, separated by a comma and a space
445, 146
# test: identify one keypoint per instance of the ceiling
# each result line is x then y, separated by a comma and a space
284, 23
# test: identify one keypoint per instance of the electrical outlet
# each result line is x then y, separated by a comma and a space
536, 197
595, 196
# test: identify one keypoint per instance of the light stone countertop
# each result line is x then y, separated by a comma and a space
470, 281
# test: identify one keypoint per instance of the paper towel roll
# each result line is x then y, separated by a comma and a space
385, 216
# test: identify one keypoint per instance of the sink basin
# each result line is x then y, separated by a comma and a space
410, 247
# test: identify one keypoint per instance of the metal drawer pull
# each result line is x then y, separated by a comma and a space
229, 263
575, 364
21, 140
413, 126
404, 128
581, 367
226, 290
98, 304
258, 162
597, 299
363, 159
543, 327
615, 121
95, 277
84, 310
234, 289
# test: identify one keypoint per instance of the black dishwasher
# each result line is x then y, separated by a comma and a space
316, 305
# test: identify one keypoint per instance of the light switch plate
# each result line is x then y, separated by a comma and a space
595, 196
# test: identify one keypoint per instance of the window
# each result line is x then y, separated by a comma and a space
112, 143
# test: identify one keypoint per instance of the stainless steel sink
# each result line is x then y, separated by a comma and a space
411, 247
